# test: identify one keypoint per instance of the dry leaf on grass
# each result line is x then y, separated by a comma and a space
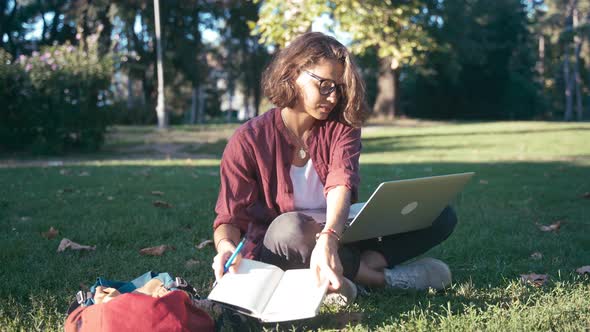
203, 244
162, 204
191, 262
64, 171
583, 270
157, 193
84, 173
67, 244
536, 255
536, 280
483, 181
50, 234
550, 228
156, 251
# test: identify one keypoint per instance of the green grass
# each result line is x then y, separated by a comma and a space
527, 173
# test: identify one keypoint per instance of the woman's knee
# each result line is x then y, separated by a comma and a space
291, 230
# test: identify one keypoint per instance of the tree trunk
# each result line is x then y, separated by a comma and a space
160, 110
201, 105
568, 87
230, 105
130, 95
577, 77
541, 61
387, 102
194, 100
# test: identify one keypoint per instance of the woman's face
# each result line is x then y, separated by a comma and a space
313, 102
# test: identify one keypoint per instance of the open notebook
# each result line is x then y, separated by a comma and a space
270, 294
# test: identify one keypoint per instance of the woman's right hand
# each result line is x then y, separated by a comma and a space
225, 249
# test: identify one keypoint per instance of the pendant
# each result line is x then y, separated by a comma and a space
302, 153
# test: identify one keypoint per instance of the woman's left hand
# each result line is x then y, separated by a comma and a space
325, 261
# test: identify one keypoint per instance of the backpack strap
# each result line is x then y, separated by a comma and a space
183, 285
84, 298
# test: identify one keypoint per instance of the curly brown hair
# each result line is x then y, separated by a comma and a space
278, 81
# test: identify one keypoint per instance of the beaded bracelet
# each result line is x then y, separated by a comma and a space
328, 231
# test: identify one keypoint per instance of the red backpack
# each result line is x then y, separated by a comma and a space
152, 302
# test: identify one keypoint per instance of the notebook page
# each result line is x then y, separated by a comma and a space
250, 288
297, 296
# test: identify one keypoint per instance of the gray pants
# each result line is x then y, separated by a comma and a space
290, 239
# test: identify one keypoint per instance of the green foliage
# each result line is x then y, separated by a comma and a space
395, 30
56, 99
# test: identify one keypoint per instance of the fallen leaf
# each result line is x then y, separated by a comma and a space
536, 255
84, 173
157, 193
550, 228
583, 270
586, 195
483, 182
536, 280
191, 262
50, 234
162, 204
110, 198
65, 244
25, 218
156, 251
203, 244
64, 171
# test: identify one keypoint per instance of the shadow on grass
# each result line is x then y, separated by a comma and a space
112, 207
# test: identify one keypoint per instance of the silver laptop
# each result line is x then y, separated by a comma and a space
403, 206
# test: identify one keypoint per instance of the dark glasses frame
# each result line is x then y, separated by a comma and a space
326, 91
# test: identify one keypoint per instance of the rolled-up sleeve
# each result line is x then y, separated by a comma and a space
343, 169
238, 189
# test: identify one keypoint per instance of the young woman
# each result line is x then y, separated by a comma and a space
304, 154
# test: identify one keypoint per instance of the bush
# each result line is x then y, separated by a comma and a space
55, 100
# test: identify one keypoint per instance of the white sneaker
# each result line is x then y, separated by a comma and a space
345, 295
421, 274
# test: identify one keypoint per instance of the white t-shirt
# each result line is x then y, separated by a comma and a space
308, 190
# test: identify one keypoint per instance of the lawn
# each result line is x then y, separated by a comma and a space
527, 174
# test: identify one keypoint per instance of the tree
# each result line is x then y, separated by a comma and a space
395, 29
564, 24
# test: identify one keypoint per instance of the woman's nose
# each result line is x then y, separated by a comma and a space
333, 97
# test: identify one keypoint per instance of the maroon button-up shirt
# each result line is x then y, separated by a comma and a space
255, 183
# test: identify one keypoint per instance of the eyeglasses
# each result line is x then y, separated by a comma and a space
327, 86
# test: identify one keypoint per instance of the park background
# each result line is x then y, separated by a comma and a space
96, 145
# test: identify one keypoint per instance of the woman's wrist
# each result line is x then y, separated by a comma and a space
328, 232
224, 242
329, 235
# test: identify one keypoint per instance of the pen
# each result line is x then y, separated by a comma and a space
231, 259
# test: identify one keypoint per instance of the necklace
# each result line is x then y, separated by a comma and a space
302, 152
